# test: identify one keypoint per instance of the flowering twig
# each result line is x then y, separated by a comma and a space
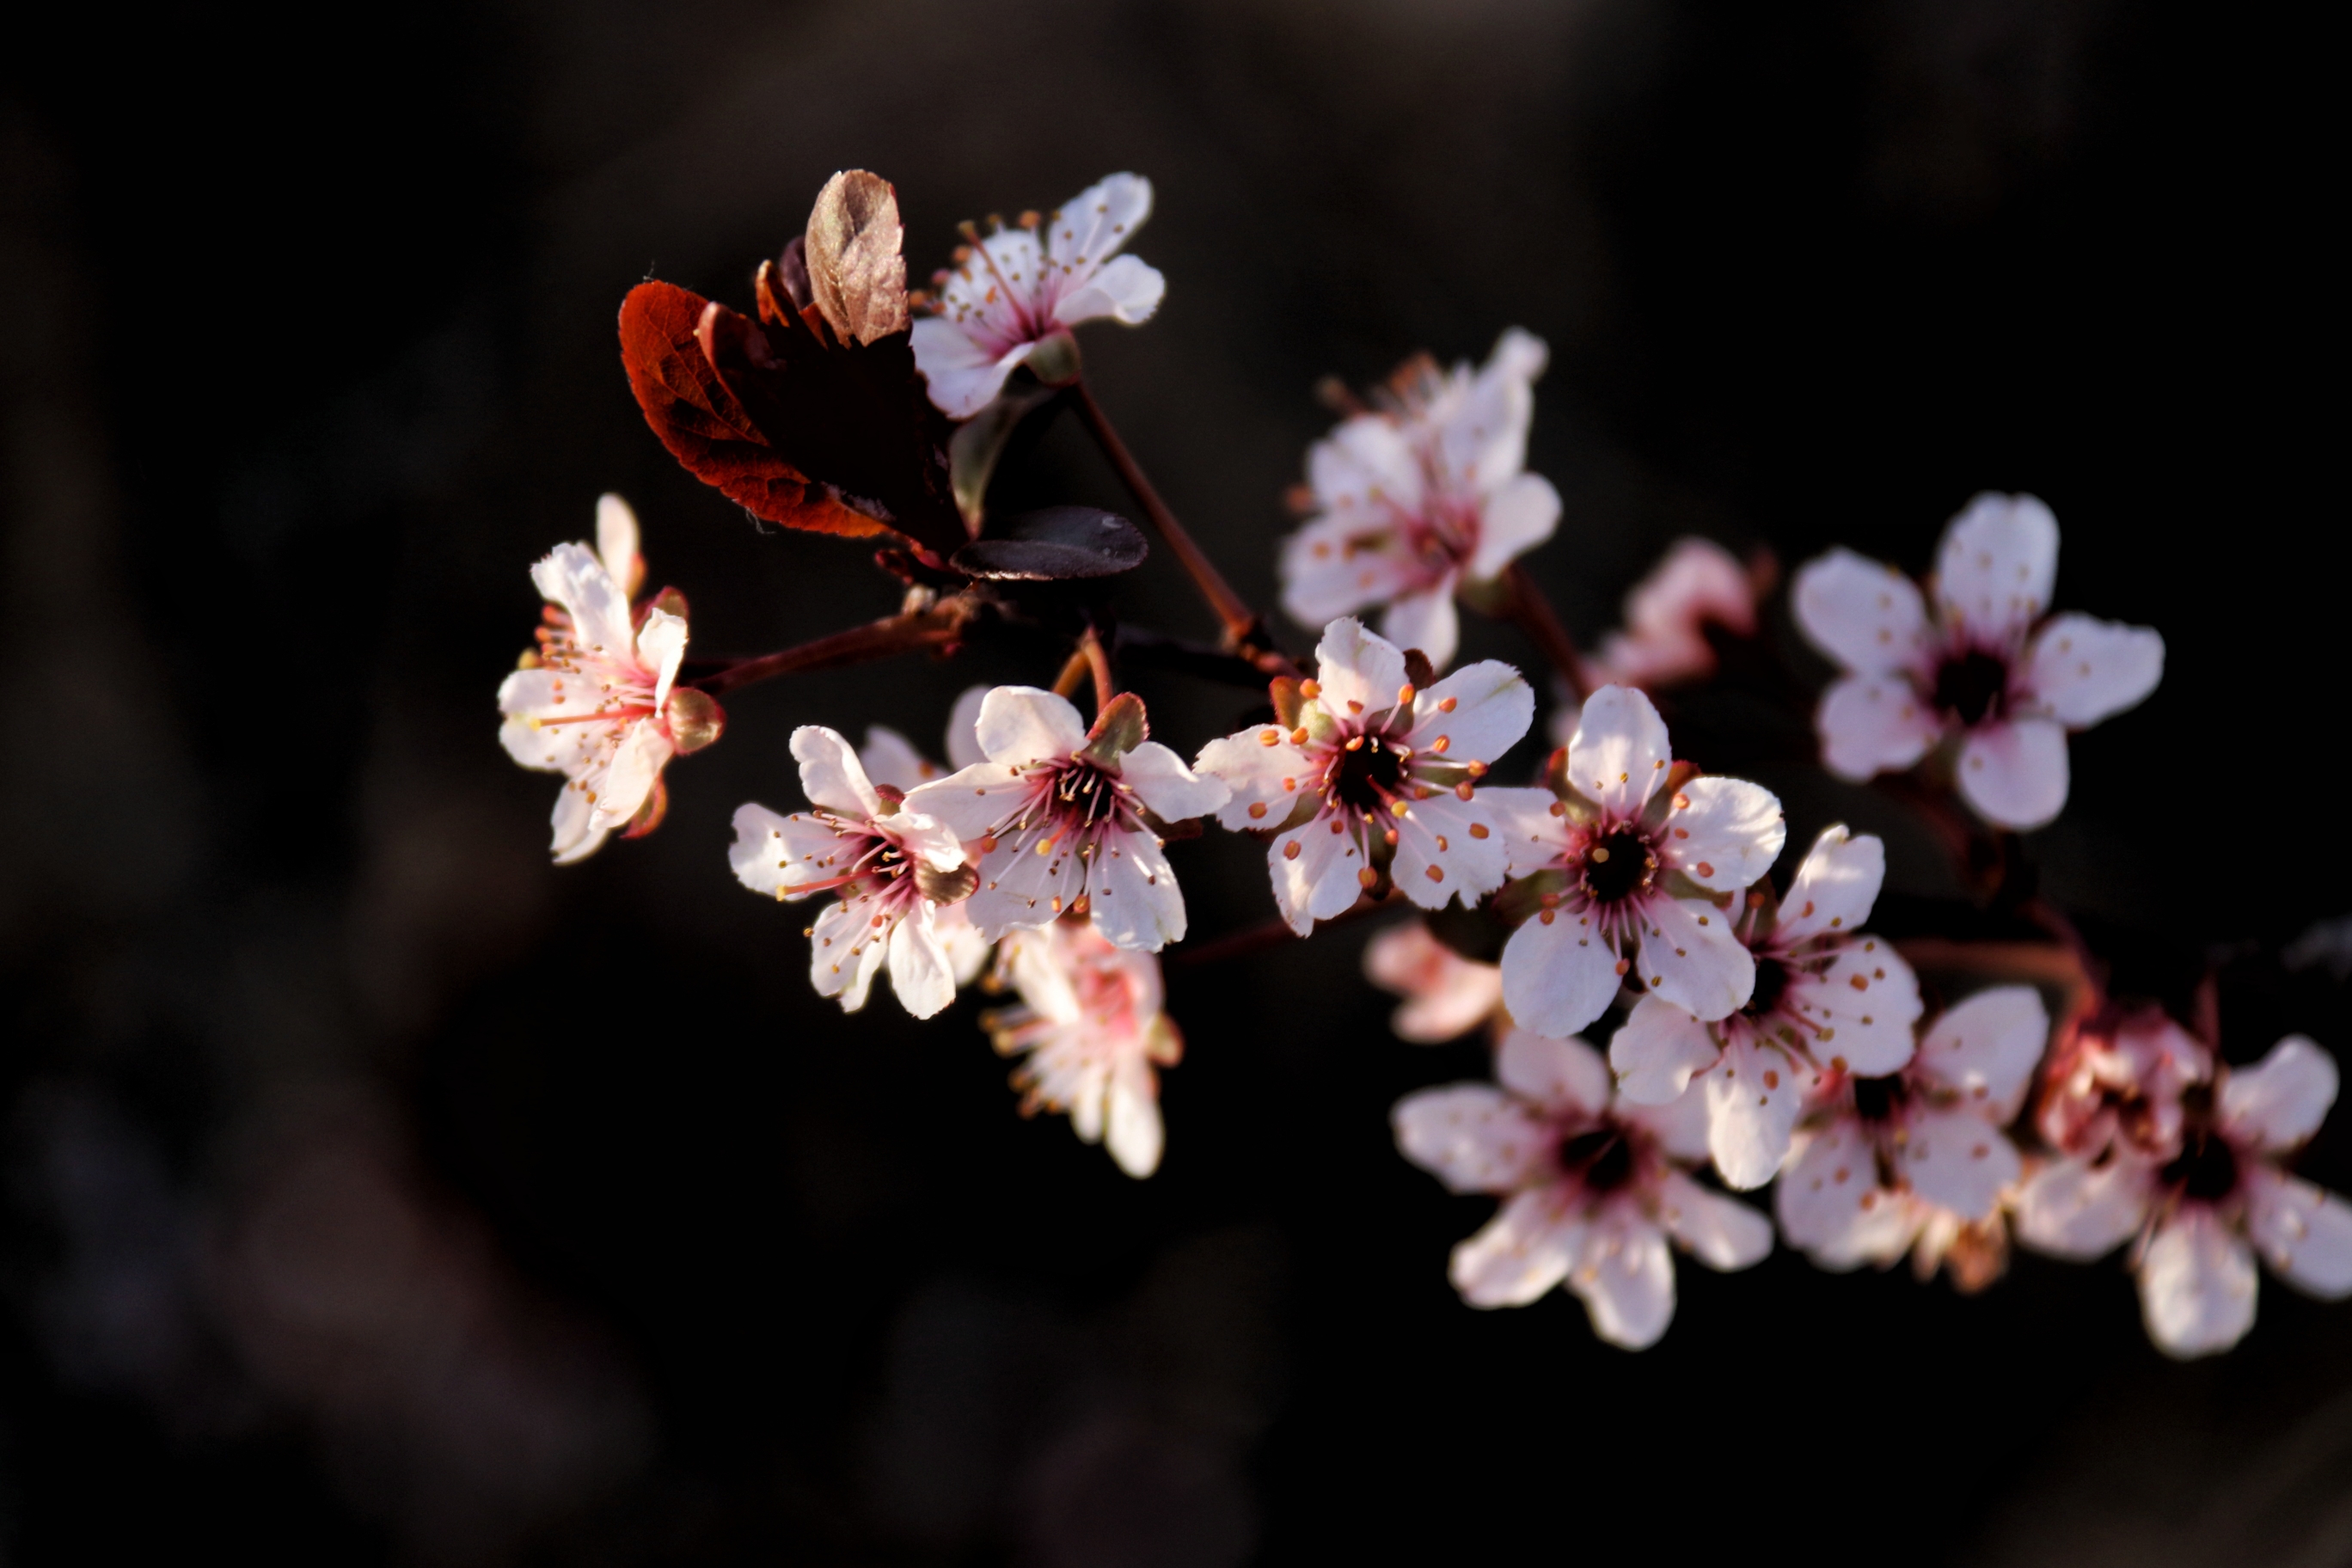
934, 625
1533, 614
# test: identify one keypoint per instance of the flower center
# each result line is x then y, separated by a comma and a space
1617, 865
2206, 1168
1087, 792
1366, 774
1771, 982
1972, 687
1599, 1158
1877, 1099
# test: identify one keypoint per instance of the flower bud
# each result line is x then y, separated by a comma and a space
694, 719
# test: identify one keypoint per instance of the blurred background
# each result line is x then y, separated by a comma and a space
377, 1194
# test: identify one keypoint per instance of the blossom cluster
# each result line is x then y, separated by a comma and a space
1678, 1014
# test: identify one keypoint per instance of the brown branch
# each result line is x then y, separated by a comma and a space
1273, 934
1075, 670
937, 625
1098, 658
1533, 614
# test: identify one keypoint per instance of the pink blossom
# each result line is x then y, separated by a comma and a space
1091, 1031
1446, 995
1421, 496
2118, 1080
1982, 671
1009, 295
1592, 1188
1697, 584
1634, 875
1827, 999
1371, 772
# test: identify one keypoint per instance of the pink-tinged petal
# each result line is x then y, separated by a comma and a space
1861, 1009
1689, 957
1359, 673
1519, 1255
1132, 895
1727, 837
661, 647
1425, 620
1958, 1161
889, 758
572, 576
1872, 725
774, 855
964, 374
1720, 1232
1173, 792
1996, 567
1482, 440
1535, 836
1019, 887
2302, 1232
1830, 1207
830, 775
616, 542
2083, 671
1861, 613
1341, 562
2071, 1209
1128, 291
1514, 521
1753, 1096
971, 800
1679, 1125
2281, 1099
1558, 976
1366, 472
1562, 1077
1619, 754
921, 975
1095, 223
1657, 1050
1032, 962
1835, 887
1447, 995
636, 766
1261, 771
960, 940
2197, 1285
1625, 1276
1491, 707
528, 694
1023, 724
1453, 838
1986, 1048
1471, 1136
578, 834
933, 844
1132, 1129
2014, 774
1320, 880
963, 728
1697, 581
845, 952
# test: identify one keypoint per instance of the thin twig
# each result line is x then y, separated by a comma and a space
1273, 934
1098, 658
1074, 674
1533, 613
935, 627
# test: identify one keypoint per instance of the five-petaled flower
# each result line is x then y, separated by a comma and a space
1826, 999
1058, 818
1363, 772
1091, 1031
1009, 295
1446, 994
1975, 671
1916, 1160
597, 701
1592, 1188
2205, 1200
893, 868
1421, 495
1628, 866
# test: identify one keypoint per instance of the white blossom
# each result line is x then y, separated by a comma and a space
1090, 1032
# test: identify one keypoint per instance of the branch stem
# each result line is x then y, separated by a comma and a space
1533, 614
937, 626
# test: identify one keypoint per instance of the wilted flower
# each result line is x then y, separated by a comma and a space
1091, 1031
1009, 295
2207, 1202
1592, 1188
1826, 999
1057, 815
1916, 1160
597, 700
1633, 864
1363, 772
1975, 670
1422, 495
892, 868
1446, 995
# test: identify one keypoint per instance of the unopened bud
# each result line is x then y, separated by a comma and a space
694, 719
1055, 361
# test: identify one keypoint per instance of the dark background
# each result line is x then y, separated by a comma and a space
377, 1193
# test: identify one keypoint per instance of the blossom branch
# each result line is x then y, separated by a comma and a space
938, 624
1532, 612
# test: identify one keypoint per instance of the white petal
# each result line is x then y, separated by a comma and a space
1355, 666
1996, 566
1492, 707
1558, 1076
1986, 1048
963, 374
1458, 840
1558, 976
2281, 1100
963, 728
2084, 670
1425, 620
1861, 613
845, 952
1830, 1207
578, 834
1626, 1278
661, 647
1728, 836
2015, 774
2070, 1209
1695, 582
1482, 439
1872, 724
1720, 1232
773, 854
1023, 724
635, 769
1471, 1136
965, 948
1128, 290
1619, 754
1957, 1161
1689, 957
1132, 895
1366, 472
889, 758
1519, 1255
1320, 880
1341, 562
2302, 1232
1657, 1050
921, 975
1515, 520
1534, 832
831, 774
572, 576
1019, 887
1095, 223
1172, 790
1753, 1096
1133, 1132
1835, 887
970, 802
616, 542
1679, 1125
2197, 1285
1260, 769
1865, 1026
